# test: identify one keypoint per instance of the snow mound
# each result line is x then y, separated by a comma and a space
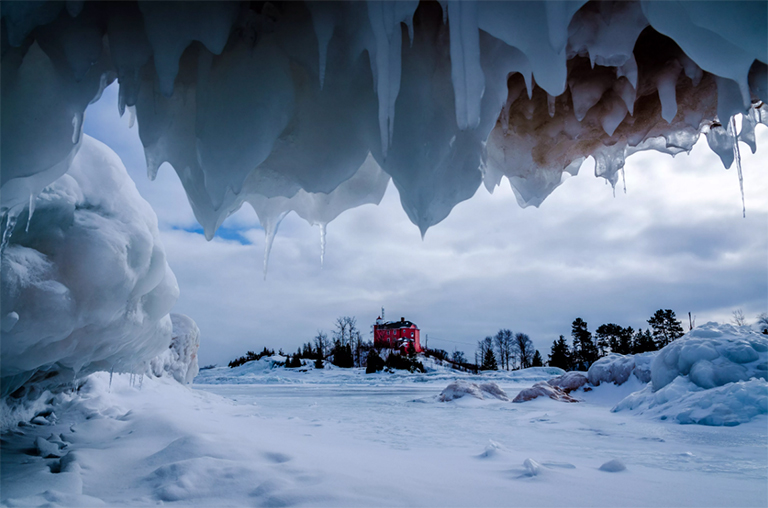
180, 359
717, 374
85, 282
569, 381
616, 368
613, 466
543, 389
531, 467
461, 388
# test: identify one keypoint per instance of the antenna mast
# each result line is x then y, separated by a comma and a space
382, 314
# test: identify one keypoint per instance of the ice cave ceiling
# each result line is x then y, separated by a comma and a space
312, 106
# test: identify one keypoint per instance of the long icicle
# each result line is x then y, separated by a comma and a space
737, 158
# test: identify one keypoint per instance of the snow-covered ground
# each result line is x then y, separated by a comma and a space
255, 436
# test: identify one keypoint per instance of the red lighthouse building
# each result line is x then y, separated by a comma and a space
396, 335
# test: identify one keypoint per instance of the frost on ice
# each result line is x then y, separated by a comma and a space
257, 101
85, 282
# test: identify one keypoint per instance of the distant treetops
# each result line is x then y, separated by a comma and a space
612, 338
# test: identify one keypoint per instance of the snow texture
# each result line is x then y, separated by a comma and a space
251, 102
717, 374
85, 282
116, 443
180, 359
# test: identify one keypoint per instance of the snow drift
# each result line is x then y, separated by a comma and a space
85, 282
252, 101
180, 359
715, 375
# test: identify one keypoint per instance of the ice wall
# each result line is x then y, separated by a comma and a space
85, 283
252, 101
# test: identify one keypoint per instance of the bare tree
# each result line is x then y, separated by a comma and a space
525, 350
503, 342
321, 344
738, 318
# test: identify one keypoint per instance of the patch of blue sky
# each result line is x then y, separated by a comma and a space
225, 233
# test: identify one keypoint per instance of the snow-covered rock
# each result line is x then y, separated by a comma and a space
613, 466
85, 282
461, 388
180, 359
543, 389
616, 368
569, 381
717, 374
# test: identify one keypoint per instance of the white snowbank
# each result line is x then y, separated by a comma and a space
256, 102
461, 388
180, 359
717, 374
85, 283
616, 368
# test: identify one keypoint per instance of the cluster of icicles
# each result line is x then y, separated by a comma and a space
313, 106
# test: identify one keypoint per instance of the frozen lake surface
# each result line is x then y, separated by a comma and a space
341, 438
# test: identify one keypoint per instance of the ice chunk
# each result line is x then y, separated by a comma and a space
88, 280
616, 368
180, 359
466, 73
532, 467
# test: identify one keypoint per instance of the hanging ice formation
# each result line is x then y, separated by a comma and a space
280, 104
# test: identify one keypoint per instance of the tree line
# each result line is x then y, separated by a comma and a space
664, 327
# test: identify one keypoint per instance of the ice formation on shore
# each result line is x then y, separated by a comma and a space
252, 101
85, 282
180, 359
715, 375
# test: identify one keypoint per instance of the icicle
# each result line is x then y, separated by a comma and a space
324, 23
31, 211
10, 217
76, 121
551, 105
141, 381
270, 230
466, 73
322, 243
737, 158
623, 179
132, 116
111, 371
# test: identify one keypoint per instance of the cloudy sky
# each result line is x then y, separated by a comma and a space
675, 240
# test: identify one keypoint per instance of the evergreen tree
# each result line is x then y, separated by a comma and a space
489, 360
458, 356
560, 354
585, 352
666, 327
614, 338
643, 342
373, 363
342, 356
537, 361
319, 363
